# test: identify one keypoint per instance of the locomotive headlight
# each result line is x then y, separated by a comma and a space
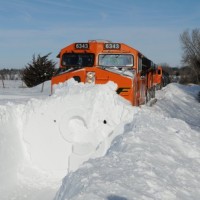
90, 77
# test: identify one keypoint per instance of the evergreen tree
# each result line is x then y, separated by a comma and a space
38, 71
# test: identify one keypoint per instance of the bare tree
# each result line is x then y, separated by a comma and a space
191, 52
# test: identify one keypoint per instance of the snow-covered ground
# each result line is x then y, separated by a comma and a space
86, 142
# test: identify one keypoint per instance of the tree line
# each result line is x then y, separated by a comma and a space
10, 74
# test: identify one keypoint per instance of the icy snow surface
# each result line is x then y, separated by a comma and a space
100, 146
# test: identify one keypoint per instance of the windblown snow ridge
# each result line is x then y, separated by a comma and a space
157, 156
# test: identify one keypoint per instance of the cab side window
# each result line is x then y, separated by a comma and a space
139, 64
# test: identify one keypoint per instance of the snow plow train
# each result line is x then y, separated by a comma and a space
98, 62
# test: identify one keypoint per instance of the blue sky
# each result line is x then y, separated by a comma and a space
30, 27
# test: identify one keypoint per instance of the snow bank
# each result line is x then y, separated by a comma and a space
154, 153
11, 152
157, 156
73, 125
179, 101
56, 134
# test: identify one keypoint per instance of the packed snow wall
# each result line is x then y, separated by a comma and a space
58, 133
11, 150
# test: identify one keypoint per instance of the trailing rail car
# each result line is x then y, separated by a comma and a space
158, 77
97, 62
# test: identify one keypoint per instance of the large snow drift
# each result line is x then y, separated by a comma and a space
156, 157
56, 134
154, 153
73, 125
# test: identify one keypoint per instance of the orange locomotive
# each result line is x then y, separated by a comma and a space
98, 62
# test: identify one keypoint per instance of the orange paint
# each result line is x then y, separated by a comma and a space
158, 77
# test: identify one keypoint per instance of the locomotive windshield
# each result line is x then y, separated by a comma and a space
116, 60
77, 60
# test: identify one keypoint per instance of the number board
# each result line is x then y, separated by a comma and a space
81, 46
110, 46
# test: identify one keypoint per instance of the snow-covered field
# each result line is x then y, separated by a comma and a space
86, 142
